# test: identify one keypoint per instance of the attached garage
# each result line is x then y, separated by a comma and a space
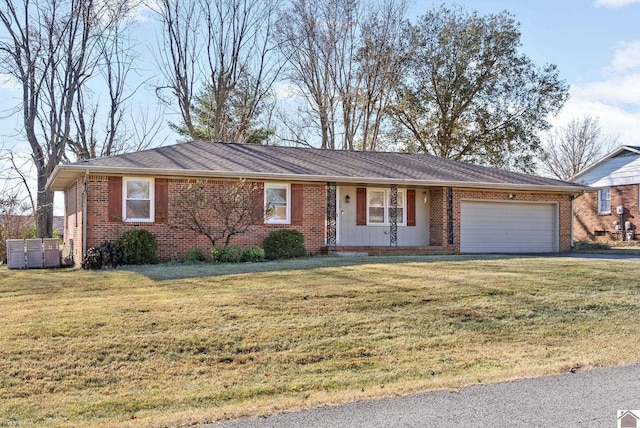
508, 227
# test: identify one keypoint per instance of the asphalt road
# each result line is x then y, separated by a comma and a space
587, 398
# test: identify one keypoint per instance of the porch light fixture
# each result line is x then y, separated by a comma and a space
424, 197
347, 199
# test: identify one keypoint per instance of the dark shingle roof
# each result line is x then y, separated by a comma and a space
199, 158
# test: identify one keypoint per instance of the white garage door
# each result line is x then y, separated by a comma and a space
508, 227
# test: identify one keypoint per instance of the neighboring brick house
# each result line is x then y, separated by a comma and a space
611, 213
351, 201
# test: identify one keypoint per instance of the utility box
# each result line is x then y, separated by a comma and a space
51, 252
34, 254
15, 254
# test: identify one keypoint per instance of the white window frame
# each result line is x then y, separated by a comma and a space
601, 209
152, 195
287, 187
402, 220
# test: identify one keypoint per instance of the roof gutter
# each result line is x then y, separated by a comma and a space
79, 169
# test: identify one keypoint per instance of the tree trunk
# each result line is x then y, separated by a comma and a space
44, 208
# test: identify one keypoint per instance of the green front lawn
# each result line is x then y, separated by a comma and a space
179, 344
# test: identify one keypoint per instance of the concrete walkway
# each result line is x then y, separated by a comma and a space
587, 398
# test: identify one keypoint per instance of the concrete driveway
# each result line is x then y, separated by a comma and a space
587, 398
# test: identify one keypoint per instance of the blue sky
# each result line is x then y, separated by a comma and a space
596, 46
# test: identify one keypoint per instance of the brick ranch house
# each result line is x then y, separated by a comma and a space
612, 212
341, 201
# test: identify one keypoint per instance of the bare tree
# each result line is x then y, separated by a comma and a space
51, 48
16, 201
573, 147
105, 129
219, 212
382, 58
178, 56
223, 51
14, 175
307, 38
345, 58
16, 220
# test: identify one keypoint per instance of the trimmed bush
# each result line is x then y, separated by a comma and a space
139, 246
106, 254
590, 246
253, 254
284, 244
194, 255
231, 254
215, 254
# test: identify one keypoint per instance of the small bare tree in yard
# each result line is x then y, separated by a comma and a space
16, 219
573, 147
219, 212
16, 201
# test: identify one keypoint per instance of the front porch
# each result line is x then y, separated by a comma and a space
385, 250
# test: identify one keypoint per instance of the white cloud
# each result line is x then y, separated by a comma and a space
614, 121
616, 3
286, 90
614, 99
620, 82
145, 10
617, 90
8, 82
626, 57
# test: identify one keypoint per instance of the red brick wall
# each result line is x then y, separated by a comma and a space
174, 241
587, 221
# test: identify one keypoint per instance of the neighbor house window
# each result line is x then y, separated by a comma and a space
137, 199
604, 201
277, 202
380, 209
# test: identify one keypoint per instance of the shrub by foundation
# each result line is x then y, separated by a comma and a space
284, 244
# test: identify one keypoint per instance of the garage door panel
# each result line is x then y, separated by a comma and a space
507, 227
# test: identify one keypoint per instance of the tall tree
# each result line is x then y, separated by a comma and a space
221, 51
206, 119
343, 57
51, 48
573, 147
107, 128
382, 58
470, 95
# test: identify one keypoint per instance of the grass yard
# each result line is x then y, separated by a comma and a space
181, 344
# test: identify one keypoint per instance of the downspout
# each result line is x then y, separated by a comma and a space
84, 213
572, 237
450, 237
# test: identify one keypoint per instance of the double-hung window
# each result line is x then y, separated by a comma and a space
604, 201
380, 207
277, 200
137, 195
